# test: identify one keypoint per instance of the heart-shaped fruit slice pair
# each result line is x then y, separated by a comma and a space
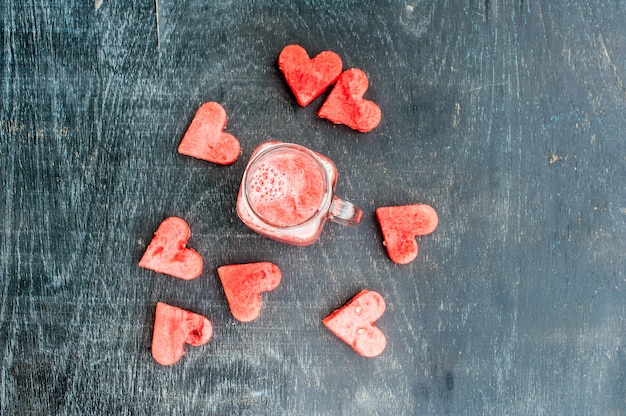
173, 328
401, 224
354, 322
167, 253
243, 285
205, 138
309, 77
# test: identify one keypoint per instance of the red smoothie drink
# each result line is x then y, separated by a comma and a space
287, 194
286, 187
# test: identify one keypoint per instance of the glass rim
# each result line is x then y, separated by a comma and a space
324, 206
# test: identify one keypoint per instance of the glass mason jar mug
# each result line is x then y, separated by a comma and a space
287, 194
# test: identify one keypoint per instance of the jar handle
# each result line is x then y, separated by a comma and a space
344, 213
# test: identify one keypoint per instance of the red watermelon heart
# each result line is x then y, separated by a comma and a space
173, 328
243, 285
354, 324
401, 224
308, 78
205, 138
167, 253
345, 103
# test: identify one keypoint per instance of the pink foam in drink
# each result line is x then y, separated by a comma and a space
286, 188
287, 194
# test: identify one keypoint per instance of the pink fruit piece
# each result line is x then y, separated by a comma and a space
354, 324
401, 224
205, 138
345, 103
173, 328
243, 285
167, 253
306, 77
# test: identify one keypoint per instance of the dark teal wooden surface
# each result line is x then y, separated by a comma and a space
508, 117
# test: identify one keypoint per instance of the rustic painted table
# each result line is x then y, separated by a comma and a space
508, 117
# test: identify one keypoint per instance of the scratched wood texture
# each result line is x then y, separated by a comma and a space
508, 117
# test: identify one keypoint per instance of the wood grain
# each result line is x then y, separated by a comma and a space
506, 116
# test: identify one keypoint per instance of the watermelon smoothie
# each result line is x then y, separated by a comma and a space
286, 187
287, 193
